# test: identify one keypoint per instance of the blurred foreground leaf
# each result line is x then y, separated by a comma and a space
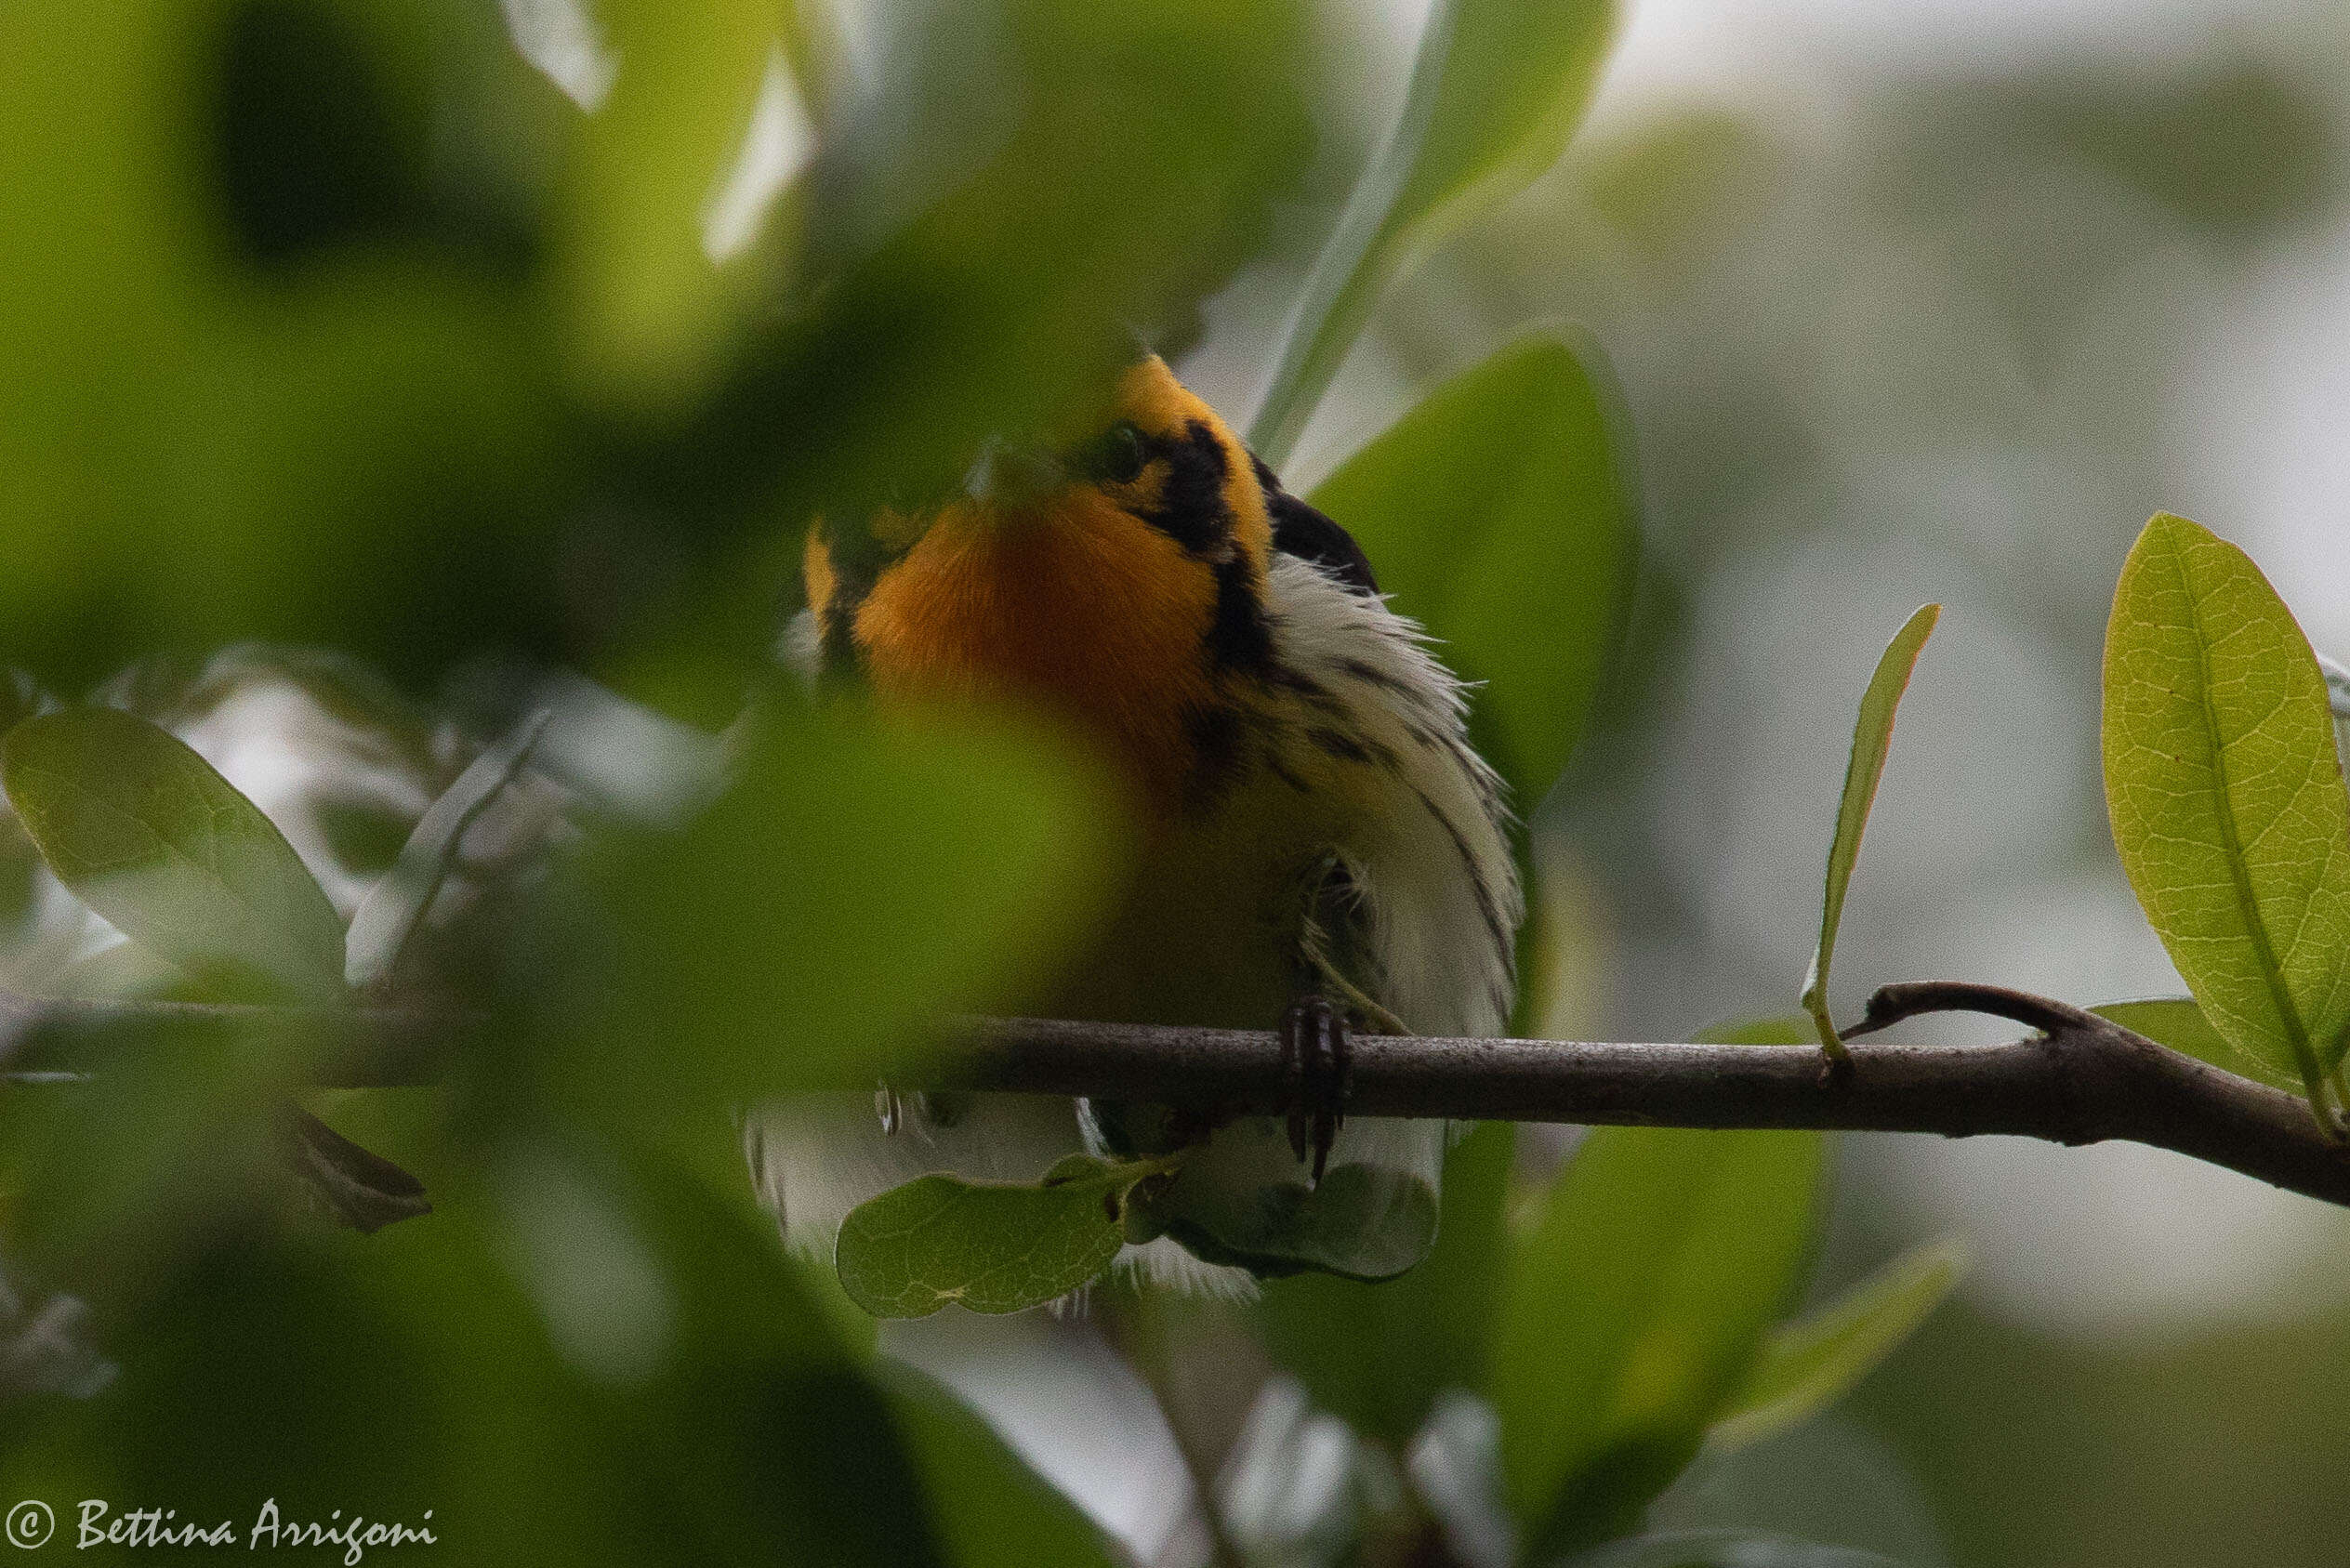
859, 877
1497, 89
1872, 739
1376, 1355
991, 1247
424, 1370
1027, 188
988, 1508
1809, 1364
2226, 791
1634, 1310
1499, 512
2177, 1022
146, 833
647, 302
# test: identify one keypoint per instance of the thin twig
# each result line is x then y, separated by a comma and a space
2082, 1080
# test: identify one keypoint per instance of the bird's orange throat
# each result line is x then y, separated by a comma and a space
1072, 604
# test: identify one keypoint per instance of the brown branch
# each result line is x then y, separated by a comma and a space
2082, 1080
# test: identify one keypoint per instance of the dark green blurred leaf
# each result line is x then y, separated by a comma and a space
1031, 186
988, 1508
1721, 1548
991, 1247
2177, 1022
1808, 1364
1499, 513
147, 834
359, 452
860, 878
2226, 791
2233, 145
116, 1180
1378, 1354
417, 1370
1634, 1310
1498, 88
312, 151
1872, 740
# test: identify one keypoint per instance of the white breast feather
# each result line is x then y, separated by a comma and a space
1432, 863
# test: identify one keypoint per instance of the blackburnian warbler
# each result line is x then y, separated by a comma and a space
1325, 849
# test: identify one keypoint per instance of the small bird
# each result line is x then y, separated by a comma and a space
1324, 851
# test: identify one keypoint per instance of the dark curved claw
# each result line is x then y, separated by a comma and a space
1317, 1048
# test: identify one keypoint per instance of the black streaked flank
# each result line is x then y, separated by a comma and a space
1488, 909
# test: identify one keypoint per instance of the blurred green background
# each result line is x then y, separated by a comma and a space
491, 344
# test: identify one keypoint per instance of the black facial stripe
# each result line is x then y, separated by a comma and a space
1190, 509
1239, 638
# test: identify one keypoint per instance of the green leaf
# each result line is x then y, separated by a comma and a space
2226, 792
1378, 1354
388, 916
1499, 513
1810, 1363
1872, 738
1782, 1029
2178, 1023
647, 302
993, 1246
1496, 93
148, 835
1634, 1312
861, 877
987, 1508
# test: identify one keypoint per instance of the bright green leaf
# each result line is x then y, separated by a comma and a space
1378, 1354
987, 1508
2178, 1023
1633, 1312
149, 836
1499, 514
1808, 1364
1783, 1029
1872, 739
993, 1246
2226, 791
1495, 92
648, 302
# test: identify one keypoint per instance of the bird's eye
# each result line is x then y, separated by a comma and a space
1117, 454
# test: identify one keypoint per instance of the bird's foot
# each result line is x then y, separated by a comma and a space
1317, 1049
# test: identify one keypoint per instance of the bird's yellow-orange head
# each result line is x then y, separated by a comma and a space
1120, 582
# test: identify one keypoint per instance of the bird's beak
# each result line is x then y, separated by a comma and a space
1006, 475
